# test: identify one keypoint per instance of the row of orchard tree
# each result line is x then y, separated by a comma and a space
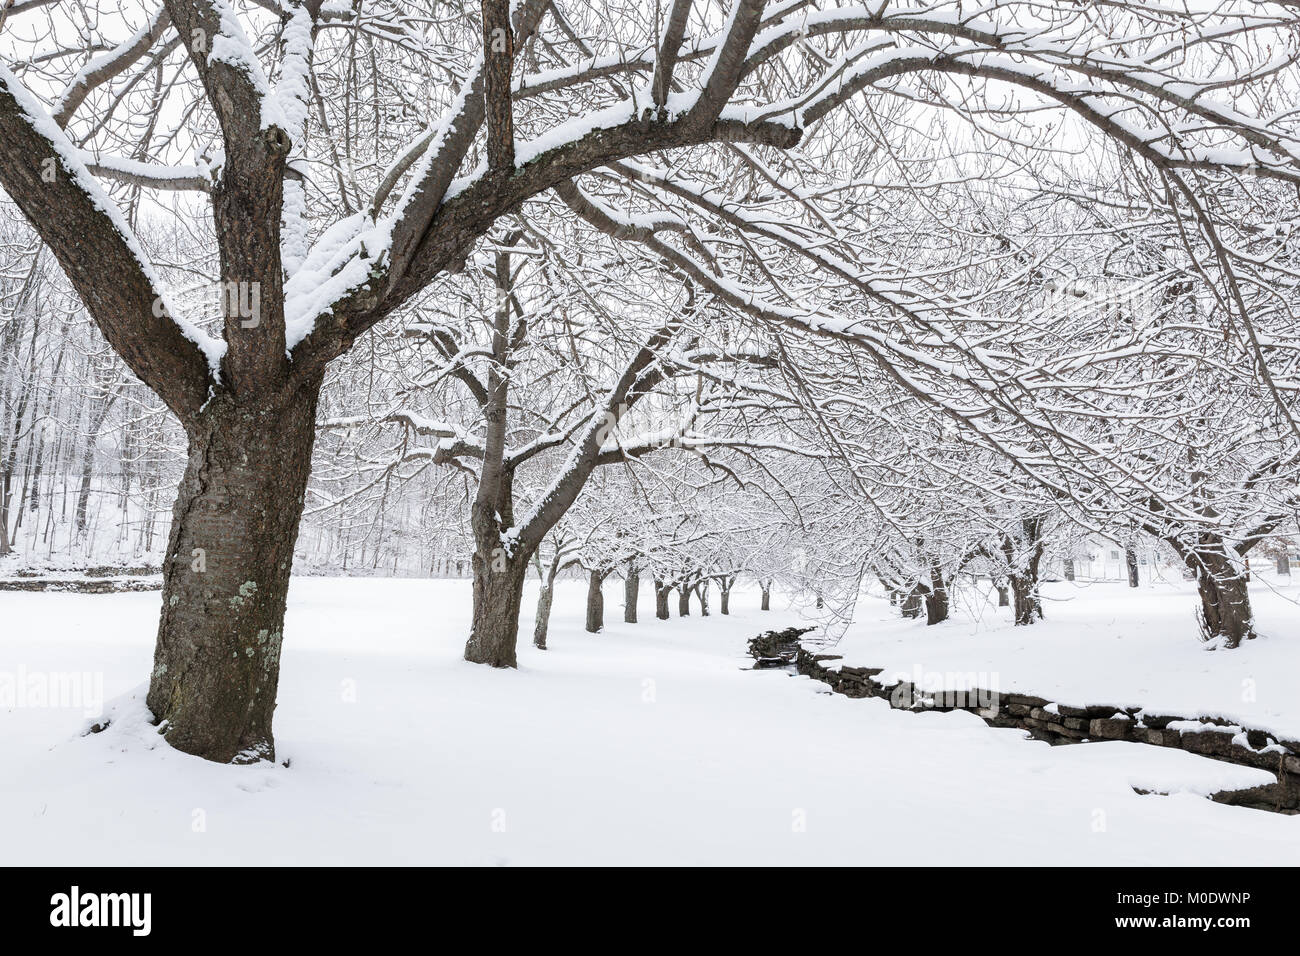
901, 285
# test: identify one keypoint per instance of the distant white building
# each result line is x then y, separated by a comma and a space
1101, 559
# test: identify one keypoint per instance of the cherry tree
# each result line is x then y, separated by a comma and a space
341, 160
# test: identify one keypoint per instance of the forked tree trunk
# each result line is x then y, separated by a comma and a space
1225, 614
234, 524
1027, 605
1131, 560
767, 597
724, 589
631, 591
1004, 596
911, 606
595, 603
662, 593
1024, 557
937, 604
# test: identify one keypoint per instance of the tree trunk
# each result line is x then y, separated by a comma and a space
684, 600
226, 579
543, 622
1004, 596
662, 593
936, 607
767, 597
595, 603
498, 595
1027, 604
937, 604
702, 592
1131, 559
631, 591
1024, 557
1225, 615
912, 602
1069, 569
724, 589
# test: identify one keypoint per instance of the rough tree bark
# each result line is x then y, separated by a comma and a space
498, 595
662, 592
1024, 555
937, 601
725, 584
542, 622
1225, 614
911, 606
595, 602
631, 591
234, 525
702, 594
499, 574
1131, 561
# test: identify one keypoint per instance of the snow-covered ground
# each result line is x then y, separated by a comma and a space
649, 743
1101, 643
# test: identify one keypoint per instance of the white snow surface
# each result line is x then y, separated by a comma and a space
1100, 643
650, 743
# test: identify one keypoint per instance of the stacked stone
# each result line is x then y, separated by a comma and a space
1058, 723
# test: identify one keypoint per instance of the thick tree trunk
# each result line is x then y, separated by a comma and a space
1026, 602
595, 603
1131, 560
936, 607
1225, 614
662, 593
684, 600
1069, 569
631, 591
234, 524
724, 602
498, 595
702, 593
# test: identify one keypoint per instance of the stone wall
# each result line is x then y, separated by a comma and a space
1059, 723
96, 580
